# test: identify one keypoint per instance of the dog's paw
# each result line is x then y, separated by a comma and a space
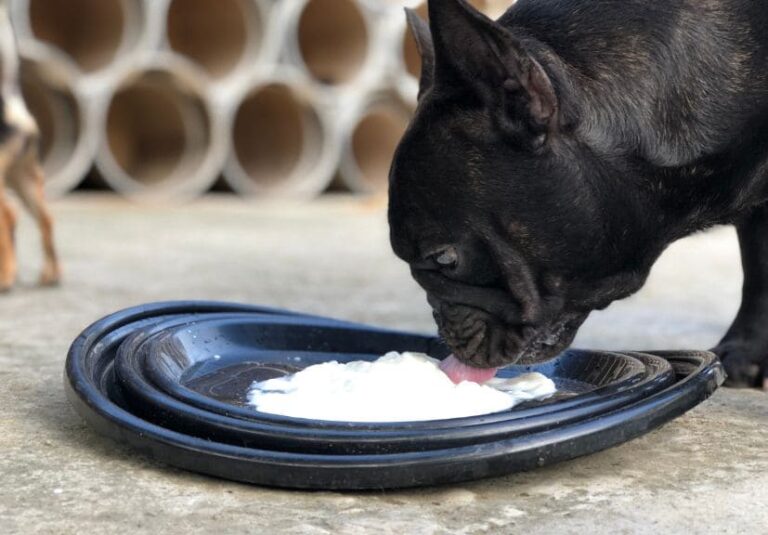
745, 362
7, 280
50, 276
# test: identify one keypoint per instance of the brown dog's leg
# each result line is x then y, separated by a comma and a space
28, 181
7, 252
10, 216
7, 223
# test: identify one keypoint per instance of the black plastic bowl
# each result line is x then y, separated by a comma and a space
623, 379
95, 394
212, 365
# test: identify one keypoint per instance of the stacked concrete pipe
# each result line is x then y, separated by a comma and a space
164, 96
283, 143
372, 136
67, 132
161, 138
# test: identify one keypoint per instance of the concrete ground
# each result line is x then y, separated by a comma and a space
706, 472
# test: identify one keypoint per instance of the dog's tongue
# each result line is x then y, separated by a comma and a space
457, 371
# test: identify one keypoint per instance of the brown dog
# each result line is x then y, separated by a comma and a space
20, 169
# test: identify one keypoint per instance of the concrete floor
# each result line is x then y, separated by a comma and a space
706, 472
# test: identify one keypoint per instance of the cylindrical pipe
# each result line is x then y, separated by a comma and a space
161, 140
67, 143
221, 36
480, 5
9, 54
281, 143
496, 8
330, 39
92, 32
370, 145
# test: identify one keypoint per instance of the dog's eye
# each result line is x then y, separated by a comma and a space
448, 257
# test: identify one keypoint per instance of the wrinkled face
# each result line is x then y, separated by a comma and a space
485, 228
491, 207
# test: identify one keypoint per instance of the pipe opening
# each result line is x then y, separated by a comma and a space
57, 113
496, 8
91, 32
333, 40
276, 136
215, 34
157, 132
480, 5
374, 141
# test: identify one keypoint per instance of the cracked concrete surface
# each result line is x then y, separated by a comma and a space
706, 472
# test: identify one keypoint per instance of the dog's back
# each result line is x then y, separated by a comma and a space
682, 75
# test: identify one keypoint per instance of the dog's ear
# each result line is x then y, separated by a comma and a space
420, 30
477, 53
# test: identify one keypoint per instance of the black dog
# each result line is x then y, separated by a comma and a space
556, 152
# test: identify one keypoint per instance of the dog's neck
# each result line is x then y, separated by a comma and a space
658, 89
666, 108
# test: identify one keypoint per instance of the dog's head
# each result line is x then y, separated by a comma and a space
493, 201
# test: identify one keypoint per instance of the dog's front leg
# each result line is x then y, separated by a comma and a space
744, 349
28, 182
7, 252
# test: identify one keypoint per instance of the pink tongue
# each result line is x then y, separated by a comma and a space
457, 371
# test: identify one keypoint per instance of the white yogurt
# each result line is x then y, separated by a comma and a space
397, 387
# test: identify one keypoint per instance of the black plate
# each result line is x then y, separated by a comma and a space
290, 434
92, 390
212, 366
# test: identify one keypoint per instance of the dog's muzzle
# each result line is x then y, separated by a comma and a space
484, 326
482, 340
